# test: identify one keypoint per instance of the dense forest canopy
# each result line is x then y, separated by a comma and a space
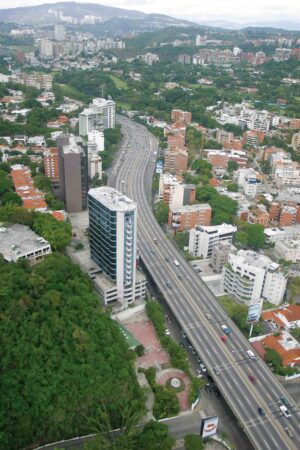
62, 357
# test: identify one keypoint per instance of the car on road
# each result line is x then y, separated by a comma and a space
216, 371
180, 277
176, 262
252, 378
168, 284
224, 339
226, 329
285, 401
183, 334
167, 332
208, 316
261, 411
289, 431
285, 411
167, 259
155, 241
251, 354
202, 367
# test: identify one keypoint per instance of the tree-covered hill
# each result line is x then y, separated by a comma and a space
62, 357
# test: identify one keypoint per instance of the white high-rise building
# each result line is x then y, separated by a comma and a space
251, 277
95, 141
204, 238
112, 233
59, 33
108, 109
90, 119
46, 49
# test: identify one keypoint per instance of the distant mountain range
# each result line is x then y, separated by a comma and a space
282, 25
115, 20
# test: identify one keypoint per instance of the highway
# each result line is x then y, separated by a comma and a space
190, 300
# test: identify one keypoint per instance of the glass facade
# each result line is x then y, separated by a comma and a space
103, 236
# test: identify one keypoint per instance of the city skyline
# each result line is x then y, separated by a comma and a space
214, 11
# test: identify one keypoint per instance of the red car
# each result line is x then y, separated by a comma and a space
252, 378
224, 339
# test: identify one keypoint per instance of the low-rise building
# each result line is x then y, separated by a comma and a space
188, 216
252, 277
288, 249
181, 116
259, 215
287, 317
171, 190
275, 234
20, 242
204, 238
287, 347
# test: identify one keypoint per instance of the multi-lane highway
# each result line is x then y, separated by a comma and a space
197, 310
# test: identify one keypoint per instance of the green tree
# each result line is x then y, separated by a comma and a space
161, 212
57, 233
42, 182
71, 357
273, 357
232, 166
11, 198
232, 187
155, 436
193, 442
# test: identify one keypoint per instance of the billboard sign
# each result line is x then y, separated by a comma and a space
254, 312
159, 167
209, 426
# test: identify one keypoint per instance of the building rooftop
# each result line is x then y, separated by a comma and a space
289, 313
112, 199
253, 259
287, 347
19, 239
190, 208
224, 228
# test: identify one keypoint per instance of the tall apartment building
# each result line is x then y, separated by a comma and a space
176, 162
98, 116
288, 216
251, 277
108, 110
51, 163
59, 32
90, 119
178, 115
112, 234
46, 49
171, 190
220, 254
73, 173
250, 181
96, 141
203, 238
186, 217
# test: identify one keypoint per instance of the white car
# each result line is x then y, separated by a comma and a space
285, 411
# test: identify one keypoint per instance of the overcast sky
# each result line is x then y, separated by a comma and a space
199, 10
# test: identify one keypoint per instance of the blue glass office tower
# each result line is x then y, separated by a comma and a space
112, 234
